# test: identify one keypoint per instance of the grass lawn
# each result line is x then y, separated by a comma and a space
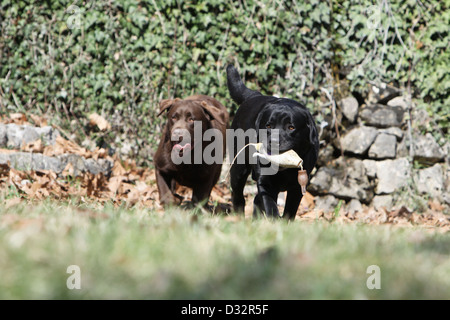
141, 254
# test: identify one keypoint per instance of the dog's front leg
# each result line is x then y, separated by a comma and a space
293, 198
266, 201
200, 194
165, 183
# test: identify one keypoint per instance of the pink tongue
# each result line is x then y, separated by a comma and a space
179, 147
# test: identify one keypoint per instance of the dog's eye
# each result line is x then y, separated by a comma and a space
268, 126
291, 128
190, 119
173, 117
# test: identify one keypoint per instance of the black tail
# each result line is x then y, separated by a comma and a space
238, 91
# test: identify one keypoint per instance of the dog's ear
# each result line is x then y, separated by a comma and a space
258, 120
313, 135
165, 105
214, 112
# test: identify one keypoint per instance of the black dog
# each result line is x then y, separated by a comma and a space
297, 131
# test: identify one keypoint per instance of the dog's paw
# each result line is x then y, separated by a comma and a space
170, 200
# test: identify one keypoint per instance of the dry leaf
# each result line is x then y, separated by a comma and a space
99, 153
39, 121
118, 169
7, 151
114, 183
35, 146
99, 121
63, 146
18, 118
133, 197
68, 170
435, 205
307, 201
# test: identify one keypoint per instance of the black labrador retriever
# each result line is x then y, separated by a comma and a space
296, 131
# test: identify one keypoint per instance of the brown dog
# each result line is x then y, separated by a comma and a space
182, 155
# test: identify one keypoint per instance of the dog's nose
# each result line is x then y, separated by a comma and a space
178, 134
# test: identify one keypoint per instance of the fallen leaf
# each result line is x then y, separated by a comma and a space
435, 205
99, 121
114, 183
38, 120
63, 146
7, 151
18, 118
69, 170
118, 169
35, 146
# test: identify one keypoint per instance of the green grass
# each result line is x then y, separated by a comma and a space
140, 254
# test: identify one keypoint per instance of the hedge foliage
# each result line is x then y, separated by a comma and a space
68, 58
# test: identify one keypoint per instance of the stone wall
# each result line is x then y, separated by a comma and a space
14, 137
379, 159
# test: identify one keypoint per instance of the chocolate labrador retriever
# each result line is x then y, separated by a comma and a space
296, 131
187, 155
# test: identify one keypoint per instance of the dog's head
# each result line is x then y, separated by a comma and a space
289, 126
182, 116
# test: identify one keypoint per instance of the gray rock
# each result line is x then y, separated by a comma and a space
17, 135
446, 149
371, 168
403, 148
392, 175
447, 178
385, 146
48, 134
345, 181
382, 201
446, 193
382, 116
358, 140
326, 155
31, 161
420, 118
398, 102
382, 93
29, 134
81, 164
354, 206
395, 131
251, 189
349, 107
326, 203
352, 189
37, 161
78, 163
14, 134
3, 137
355, 168
321, 181
99, 166
446, 198
348, 189
4, 158
426, 149
281, 200
430, 181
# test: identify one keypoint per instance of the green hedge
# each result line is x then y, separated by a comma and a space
68, 58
